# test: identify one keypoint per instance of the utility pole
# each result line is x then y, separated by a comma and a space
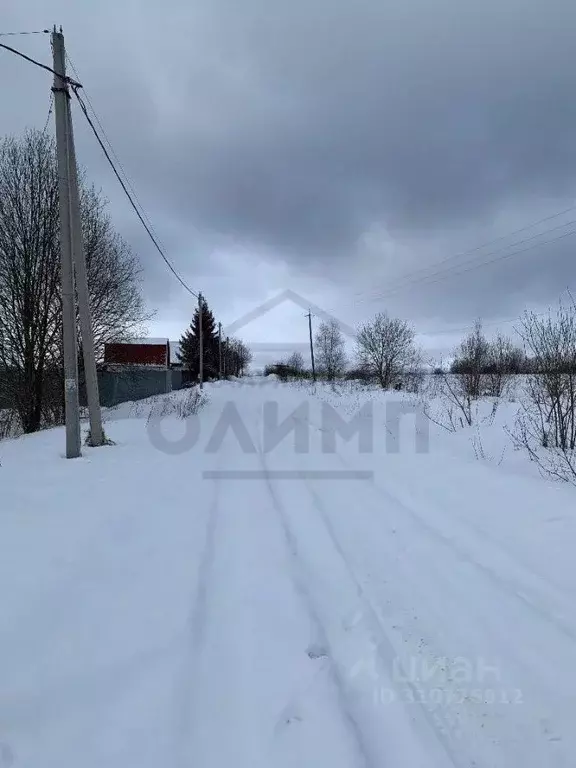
220, 351
309, 316
79, 260
200, 342
71, 406
225, 366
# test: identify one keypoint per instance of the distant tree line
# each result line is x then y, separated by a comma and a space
385, 352
500, 355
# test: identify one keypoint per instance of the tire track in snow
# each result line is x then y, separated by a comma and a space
510, 586
527, 596
365, 760
195, 633
506, 588
440, 723
197, 617
440, 728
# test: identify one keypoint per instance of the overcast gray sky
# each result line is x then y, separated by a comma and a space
338, 148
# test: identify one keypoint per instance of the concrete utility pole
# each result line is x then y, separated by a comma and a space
309, 316
79, 259
220, 350
61, 96
200, 342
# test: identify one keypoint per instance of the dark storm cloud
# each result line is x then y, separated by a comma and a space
329, 115
292, 128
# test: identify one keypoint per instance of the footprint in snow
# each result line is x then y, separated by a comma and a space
316, 652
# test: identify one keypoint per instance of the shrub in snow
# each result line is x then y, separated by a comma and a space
480, 368
191, 403
487, 367
448, 402
546, 424
180, 404
290, 369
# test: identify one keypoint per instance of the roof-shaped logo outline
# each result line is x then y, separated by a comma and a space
275, 301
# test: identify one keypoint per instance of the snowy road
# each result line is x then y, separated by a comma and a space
239, 603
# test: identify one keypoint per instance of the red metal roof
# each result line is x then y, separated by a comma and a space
129, 353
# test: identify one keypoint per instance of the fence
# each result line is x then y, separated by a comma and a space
133, 384
116, 386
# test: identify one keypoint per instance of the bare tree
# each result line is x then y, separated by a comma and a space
458, 390
480, 368
386, 348
244, 358
29, 273
505, 360
30, 302
330, 351
471, 362
546, 425
237, 357
295, 363
455, 407
114, 276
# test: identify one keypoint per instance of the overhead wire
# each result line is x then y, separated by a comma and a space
490, 323
129, 182
34, 32
128, 195
50, 107
448, 274
39, 64
493, 322
425, 279
470, 251
75, 87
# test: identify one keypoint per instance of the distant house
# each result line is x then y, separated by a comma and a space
138, 352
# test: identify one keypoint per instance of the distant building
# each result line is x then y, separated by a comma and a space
138, 352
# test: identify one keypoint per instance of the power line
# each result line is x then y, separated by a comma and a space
450, 273
492, 322
128, 195
491, 253
492, 242
105, 137
39, 64
49, 113
443, 274
447, 331
36, 32
75, 86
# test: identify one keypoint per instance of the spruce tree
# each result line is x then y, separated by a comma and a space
189, 343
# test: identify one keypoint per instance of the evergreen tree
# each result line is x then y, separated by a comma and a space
189, 343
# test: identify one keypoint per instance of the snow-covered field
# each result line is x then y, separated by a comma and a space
219, 591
